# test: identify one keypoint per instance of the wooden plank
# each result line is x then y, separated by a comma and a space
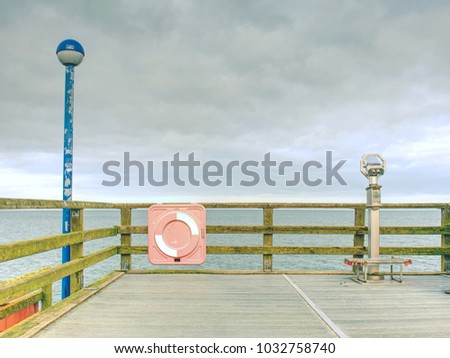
17, 287
192, 306
414, 230
14, 250
31, 326
414, 205
325, 250
280, 205
185, 305
99, 233
267, 238
253, 205
76, 250
445, 238
47, 296
419, 250
262, 229
305, 230
23, 277
416, 308
359, 220
278, 272
11, 203
234, 272
20, 303
24, 248
307, 250
261, 250
296, 230
125, 238
284, 250
333, 326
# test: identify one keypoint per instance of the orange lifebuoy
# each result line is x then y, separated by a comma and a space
177, 234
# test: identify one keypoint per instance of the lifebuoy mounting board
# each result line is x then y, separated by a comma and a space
177, 234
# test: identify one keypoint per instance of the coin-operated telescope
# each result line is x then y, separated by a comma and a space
373, 166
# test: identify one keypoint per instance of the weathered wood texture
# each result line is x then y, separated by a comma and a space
7, 203
20, 303
22, 285
358, 238
24, 248
192, 306
267, 239
306, 250
305, 230
445, 238
417, 308
76, 250
125, 239
36, 323
257, 205
214, 306
262, 205
11, 203
256, 272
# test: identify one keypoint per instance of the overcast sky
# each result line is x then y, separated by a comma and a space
228, 80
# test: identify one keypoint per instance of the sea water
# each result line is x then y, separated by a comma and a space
16, 225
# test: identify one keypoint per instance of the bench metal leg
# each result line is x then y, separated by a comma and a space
401, 274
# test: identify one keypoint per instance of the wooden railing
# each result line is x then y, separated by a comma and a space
37, 286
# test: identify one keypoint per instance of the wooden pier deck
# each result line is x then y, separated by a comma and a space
264, 305
264, 302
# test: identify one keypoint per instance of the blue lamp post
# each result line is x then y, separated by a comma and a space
70, 53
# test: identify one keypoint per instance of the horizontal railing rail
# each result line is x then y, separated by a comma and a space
52, 204
281, 205
19, 286
21, 303
18, 249
12, 203
302, 230
307, 250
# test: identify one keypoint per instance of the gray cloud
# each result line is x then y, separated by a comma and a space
228, 79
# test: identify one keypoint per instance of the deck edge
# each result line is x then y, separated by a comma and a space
275, 272
36, 323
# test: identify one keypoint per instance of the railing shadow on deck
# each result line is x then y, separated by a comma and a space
36, 286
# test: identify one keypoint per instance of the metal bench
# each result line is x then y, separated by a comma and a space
363, 265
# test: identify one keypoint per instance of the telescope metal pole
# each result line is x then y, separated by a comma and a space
373, 206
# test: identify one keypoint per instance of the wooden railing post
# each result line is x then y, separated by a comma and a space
360, 220
445, 239
47, 297
267, 238
125, 239
76, 250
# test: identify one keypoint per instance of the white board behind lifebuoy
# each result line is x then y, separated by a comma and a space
177, 234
